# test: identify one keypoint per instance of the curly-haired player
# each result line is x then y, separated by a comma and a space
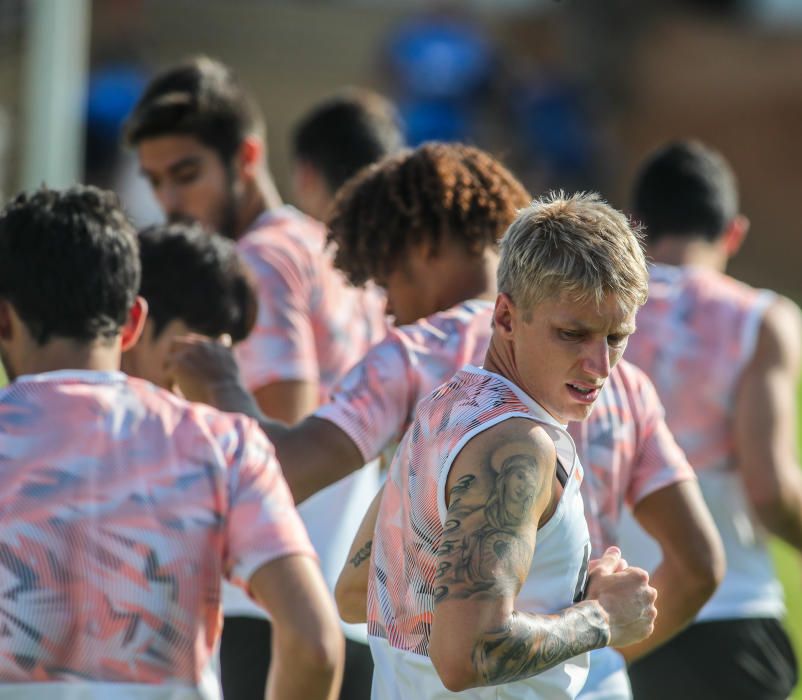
445, 205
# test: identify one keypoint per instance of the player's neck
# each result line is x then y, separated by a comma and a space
689, 251
65, 354
470, 277
261, 196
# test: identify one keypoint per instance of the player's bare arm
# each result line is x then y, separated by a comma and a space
500, 489
351, 591
307, 641
313, 454
693, 562
765, 424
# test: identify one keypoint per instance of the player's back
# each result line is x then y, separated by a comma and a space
115, 504
312, 324
696, 334
698, 330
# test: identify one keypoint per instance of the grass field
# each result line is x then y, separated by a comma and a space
790, 573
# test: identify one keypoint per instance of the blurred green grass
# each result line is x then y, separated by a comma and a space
789, 570
787, 561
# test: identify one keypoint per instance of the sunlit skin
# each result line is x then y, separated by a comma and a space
190, 181
148, 358
561, 352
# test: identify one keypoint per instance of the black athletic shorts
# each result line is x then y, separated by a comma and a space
746, 659
245, 658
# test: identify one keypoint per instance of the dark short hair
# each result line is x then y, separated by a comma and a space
201, 98
198, 278
685, 189
347, 132
434, 193
68, 263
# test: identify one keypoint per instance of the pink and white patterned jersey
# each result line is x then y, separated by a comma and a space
695, 336
121, 508
627, 450
375, 402
410, 530
312, 325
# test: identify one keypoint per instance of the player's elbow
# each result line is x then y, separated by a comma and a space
701, 572
351, 601
455, 671
776, 501
321, 652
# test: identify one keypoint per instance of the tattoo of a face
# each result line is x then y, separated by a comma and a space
362, 555
487, 558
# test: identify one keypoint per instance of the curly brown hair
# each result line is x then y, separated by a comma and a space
428, 194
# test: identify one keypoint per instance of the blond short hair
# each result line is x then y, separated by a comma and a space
576, 246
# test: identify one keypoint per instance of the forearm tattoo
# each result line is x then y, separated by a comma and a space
530, 645
486, 551
362, 555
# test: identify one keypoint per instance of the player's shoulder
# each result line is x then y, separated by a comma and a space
516, 436
191, 423
284, 229
780, 328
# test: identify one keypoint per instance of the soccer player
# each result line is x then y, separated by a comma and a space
121, 505
192, 282
337, 138
481, 550
200, 142
401, 210
725, 360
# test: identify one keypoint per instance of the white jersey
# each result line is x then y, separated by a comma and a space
698, 330
410, 527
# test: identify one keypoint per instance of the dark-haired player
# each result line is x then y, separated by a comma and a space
193, 282
725, 359
335, 139
121, 505
201, 144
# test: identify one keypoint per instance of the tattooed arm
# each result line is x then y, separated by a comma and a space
500, 488
351, 591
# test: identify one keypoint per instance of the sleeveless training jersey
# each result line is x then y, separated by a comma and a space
121, 508
409, 531
311, 326
696, 334
625, 446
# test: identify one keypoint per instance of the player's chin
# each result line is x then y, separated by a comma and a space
577, 411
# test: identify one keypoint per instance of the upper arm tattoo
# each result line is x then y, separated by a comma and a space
362, 555
488, 535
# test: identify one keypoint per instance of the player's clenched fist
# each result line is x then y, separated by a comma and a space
625, 595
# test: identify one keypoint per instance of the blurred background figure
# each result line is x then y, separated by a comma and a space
337, 138
725, 358
200, 140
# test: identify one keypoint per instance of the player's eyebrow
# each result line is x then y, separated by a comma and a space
177, 166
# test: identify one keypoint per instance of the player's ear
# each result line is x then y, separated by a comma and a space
735, 234
132, 329
250, 156
503, 315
